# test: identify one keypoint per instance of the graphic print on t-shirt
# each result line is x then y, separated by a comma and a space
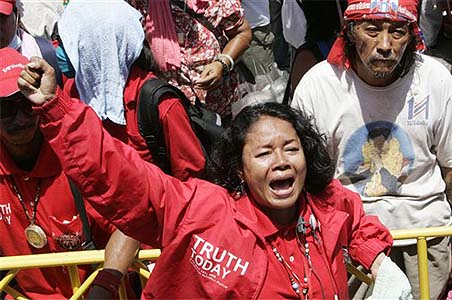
378, 158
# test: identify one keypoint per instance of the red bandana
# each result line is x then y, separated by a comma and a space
393, 10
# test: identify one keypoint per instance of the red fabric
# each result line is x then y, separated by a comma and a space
183, 147
285, 240
11, 64
393, 10
6, 6
213, 246
56, 215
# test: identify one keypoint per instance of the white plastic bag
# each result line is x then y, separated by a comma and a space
268, 88
391, 283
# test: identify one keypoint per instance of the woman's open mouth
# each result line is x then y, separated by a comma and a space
282, 187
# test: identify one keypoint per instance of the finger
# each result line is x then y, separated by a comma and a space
31, 77
31, 72
25, 87
205, 73
39, 65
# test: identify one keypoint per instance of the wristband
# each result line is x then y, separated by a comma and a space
109, 279
223, 64
229, 58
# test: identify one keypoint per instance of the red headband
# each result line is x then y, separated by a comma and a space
392, 10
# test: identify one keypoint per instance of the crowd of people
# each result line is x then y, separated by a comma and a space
289, 194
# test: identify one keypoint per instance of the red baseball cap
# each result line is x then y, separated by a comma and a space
11, 64
6, 6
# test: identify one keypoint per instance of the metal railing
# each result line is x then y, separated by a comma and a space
13, 264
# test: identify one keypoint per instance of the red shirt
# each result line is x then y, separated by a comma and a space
56, 214
284, 239
182, 146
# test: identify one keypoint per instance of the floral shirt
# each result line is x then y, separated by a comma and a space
199, 46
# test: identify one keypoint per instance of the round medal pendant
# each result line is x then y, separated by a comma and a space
35, 236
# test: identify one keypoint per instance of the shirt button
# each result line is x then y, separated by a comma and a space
291, 258
26, 178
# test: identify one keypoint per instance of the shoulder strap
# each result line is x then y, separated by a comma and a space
89, 243
48, 53
148, 118
200, 18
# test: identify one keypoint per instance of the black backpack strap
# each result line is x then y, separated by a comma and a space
89, 243
148, 118
48, 53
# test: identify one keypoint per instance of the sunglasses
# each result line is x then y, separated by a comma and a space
9, 106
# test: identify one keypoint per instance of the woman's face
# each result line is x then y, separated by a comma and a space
274, 166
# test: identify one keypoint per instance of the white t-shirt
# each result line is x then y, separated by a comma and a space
387, 143
257, 12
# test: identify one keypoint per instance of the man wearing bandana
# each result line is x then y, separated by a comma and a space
386, 110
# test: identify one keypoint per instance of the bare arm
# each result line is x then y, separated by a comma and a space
119, 255
239, 41
120, 251
447, 176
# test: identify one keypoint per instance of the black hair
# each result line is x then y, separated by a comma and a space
225, 164
146, 60
409, 57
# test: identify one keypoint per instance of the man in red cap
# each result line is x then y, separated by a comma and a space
38, 213
386, 110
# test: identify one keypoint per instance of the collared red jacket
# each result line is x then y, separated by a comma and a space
212, 245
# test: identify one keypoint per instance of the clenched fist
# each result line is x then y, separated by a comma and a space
37, 81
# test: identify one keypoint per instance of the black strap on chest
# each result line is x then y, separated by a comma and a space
89, 243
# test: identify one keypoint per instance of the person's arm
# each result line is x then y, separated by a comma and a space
119, 255
376, 265
447, 176
135, 196
183, 147
239, 41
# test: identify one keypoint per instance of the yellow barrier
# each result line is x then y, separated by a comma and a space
13, 264
421, 235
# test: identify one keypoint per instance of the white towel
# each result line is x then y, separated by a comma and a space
102, 39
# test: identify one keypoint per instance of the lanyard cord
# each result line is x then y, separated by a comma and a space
295, 281
33, 204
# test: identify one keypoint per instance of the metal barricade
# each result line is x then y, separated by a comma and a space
13, 264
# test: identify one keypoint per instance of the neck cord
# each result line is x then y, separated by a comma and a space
295, 281
33, 204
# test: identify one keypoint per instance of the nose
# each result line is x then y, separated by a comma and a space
280, 161
384, 44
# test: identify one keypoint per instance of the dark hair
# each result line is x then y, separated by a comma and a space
146, 60
409, 57
226, 161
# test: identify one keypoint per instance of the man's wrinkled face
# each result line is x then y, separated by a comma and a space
380, 45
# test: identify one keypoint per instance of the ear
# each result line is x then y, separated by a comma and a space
351, 34
240, 174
